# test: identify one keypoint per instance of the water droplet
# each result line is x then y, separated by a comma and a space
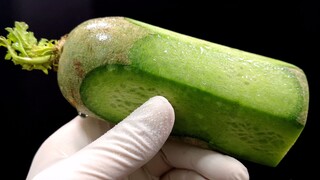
201, 50
83, 115
102, 36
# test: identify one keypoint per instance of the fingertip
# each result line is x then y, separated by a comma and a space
160, 111
236, 170
208, 163
165, 106
227, 167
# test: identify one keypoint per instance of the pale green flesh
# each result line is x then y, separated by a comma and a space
240, 103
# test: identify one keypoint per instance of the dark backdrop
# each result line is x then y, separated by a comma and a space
32, 107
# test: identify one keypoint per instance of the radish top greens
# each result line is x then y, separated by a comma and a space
25, 50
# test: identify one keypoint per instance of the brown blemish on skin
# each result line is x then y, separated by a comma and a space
72, 102
71, 98
78, 68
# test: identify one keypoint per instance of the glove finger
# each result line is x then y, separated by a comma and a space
209, 164
124, 148
182, 174
70, 138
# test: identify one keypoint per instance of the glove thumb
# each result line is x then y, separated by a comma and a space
123, 149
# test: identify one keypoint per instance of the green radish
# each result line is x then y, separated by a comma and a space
240, 103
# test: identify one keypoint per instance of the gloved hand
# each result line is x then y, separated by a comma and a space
136, 148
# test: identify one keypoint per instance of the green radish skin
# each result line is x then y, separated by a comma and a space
243, 104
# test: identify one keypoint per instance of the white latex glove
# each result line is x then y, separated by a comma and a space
136, 148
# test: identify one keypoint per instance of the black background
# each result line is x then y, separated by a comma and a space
32, 107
